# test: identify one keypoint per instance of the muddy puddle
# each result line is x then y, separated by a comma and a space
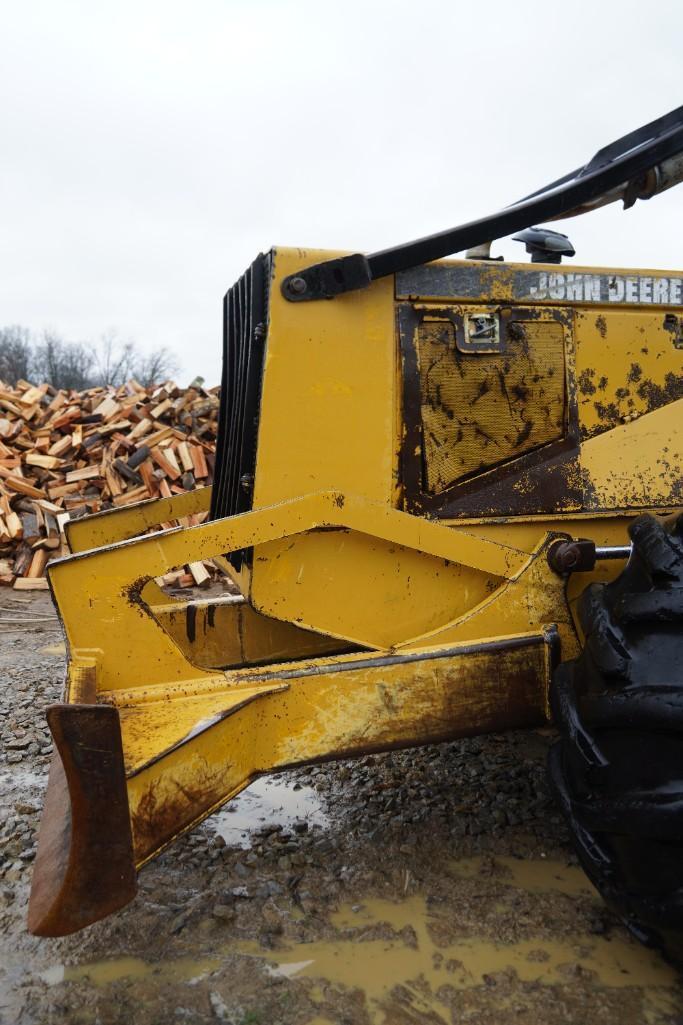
407, 956
402, 950
269, 802
103, 973
542, 875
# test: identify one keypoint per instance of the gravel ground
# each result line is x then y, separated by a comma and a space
433, 885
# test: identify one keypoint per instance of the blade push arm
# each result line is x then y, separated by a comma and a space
637, 166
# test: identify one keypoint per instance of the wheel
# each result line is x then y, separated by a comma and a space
617, 769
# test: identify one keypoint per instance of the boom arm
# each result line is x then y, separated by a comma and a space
637, 166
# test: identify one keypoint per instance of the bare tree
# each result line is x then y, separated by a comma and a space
16, 353
113, 360
62, 364
116, 361
154, 367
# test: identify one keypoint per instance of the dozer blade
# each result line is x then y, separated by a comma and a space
151, 740
84, 869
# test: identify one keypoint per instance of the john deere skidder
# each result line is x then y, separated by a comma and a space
426, 479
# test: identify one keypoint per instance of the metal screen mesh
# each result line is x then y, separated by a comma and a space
479, 410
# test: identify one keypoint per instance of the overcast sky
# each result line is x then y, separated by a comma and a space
151, 149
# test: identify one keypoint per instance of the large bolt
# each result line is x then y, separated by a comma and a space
564, 557
568, 556
297, 285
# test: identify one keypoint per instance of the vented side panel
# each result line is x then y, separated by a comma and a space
244, 340
481, 409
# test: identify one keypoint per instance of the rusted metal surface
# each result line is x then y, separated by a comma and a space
84, 867
545, 478
161, 815
570, 556
352, 706
83, 684
621, 365
481, 408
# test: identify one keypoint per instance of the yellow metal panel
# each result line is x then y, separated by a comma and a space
317, 580
152, 728
639, 463
533, 599
526, 533
355, 586
99, 592
605, 529
626, 364
358, 705
129, 521
328, 404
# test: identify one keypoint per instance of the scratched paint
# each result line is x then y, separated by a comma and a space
457, 280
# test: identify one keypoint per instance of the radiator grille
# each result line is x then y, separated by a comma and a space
479, 410
244, 340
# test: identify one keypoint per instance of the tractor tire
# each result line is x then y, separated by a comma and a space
617, 769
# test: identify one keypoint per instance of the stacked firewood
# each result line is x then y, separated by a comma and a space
65, 454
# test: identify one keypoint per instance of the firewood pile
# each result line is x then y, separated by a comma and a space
66, 454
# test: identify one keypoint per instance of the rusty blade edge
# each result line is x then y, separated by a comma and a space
84, 868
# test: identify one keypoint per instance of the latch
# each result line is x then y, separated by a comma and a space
481, 333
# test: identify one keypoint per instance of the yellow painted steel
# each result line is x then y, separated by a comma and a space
130, 521
330, 393
194, 735
215, 633
363, 626
319, 578
625, 362
639, 463
99, 592
358, 705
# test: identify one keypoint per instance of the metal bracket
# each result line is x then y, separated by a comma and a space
481, 333
323, 280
